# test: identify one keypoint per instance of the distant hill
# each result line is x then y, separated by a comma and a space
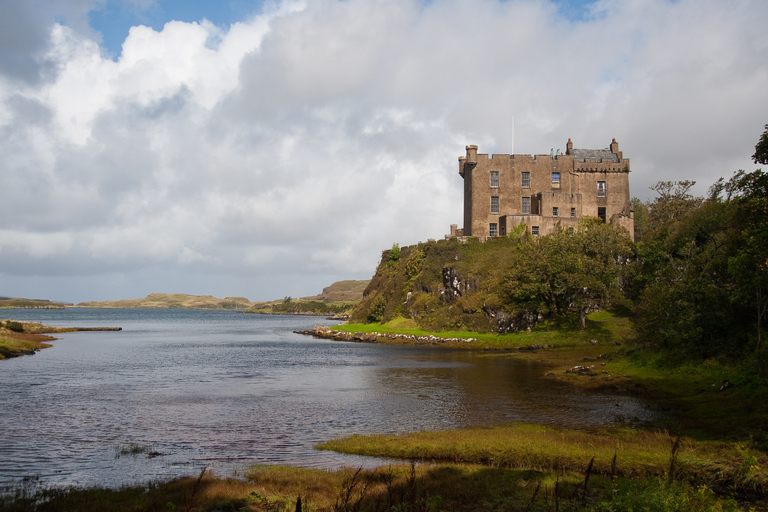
8, 302
337, 299
174, 301
342, 291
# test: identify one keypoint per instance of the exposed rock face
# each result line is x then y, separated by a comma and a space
506, 322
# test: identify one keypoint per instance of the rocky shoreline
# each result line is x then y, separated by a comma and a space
325, 332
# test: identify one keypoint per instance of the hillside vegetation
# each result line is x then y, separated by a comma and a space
503, 285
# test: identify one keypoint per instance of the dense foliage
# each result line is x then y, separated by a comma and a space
701, 279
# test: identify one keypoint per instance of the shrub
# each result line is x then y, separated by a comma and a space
394, 253
376, 312
14, 326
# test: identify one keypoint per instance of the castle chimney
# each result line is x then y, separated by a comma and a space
472, 154
569, 147
614, 147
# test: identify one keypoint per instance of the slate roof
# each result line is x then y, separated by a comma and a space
594, 154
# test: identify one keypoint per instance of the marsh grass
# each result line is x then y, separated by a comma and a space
133, 450
641, 454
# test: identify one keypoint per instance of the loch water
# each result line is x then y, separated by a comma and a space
223, 390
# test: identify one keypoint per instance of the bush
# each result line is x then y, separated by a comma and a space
394, 253
376, 312
14, 326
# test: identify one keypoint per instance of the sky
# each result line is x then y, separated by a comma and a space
269, 148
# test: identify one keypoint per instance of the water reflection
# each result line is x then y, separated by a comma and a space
221, 389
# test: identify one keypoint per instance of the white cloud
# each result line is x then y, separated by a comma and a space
286, 151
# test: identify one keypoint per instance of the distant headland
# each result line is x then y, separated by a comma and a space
336, 299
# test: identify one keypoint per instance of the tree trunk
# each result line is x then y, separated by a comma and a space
583, 318
760, 314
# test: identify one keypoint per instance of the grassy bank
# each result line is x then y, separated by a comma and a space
606, 327
618, 452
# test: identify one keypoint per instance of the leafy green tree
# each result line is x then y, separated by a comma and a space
682, 283
702, 275
569, 275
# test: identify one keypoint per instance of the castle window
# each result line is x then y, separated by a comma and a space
600, 189
554, 211
526, 179
573, 212
494, 229
494, 204
535, 230
494, 179
526, 204
601, 213
555, 177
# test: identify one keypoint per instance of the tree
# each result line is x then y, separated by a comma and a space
682, 283
761, 149
749, 265
569, 275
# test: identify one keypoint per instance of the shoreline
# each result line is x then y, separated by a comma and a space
326, 332
499, 461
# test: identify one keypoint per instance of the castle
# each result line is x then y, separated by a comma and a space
543, 192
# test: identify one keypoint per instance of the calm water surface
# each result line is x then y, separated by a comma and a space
225, 389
